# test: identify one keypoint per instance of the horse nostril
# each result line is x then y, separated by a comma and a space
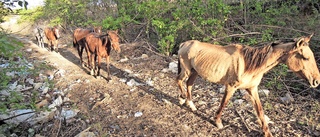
315, 82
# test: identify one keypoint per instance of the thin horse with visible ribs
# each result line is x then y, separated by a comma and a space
52, 35
242, 67
100, 46
79, 35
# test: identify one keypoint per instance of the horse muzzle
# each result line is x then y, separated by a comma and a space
314, 83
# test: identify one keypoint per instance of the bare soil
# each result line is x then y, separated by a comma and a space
162, 115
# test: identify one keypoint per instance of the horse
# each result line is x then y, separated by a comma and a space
100, 46
52, 34
79, 35
38, 33
242, 67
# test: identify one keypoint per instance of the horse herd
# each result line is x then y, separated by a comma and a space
96, 44
235, 66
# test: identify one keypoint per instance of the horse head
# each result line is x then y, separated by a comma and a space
56, 32
114, 38
301, 61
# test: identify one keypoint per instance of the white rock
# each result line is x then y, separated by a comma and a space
149, 82
144, 56
202, 102
132, 82
264, 91
13, 86
123, 80
128, 71
4, 65
45, 90
4, 92
138, 114
268, 119
124, 60
69, 113
43, 117
30, 80
56, 102
222, 89
287, 98
238, 101
18, 119
10, 74
173, 67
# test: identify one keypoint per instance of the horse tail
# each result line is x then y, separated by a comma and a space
179, 67
75, 45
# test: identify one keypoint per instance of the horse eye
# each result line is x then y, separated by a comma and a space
304, 58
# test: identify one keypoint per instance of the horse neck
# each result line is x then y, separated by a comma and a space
261, 59
54, 33
276, 57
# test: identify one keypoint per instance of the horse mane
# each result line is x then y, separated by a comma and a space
105, 40
255, 57
54, 32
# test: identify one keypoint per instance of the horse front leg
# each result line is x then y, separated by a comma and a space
227, 95
99, 66
93, 66
55, 46
108, 67
190, 82
253, 92
41, 42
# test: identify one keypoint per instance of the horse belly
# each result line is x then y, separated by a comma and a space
214, 73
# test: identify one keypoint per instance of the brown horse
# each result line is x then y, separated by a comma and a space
100, 46
242, 67
79, 35
52, 35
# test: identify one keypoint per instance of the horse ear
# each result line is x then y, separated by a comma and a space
303, 40
307, 39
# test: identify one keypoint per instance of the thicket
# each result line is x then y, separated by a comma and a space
168, 23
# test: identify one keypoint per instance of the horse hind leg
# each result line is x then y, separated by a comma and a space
190, 82
182, 76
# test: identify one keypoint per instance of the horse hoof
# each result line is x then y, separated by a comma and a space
219, 125
182, 101
191, 105
109, 78
91, 73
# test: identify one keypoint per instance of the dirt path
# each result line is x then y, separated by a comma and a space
151, 108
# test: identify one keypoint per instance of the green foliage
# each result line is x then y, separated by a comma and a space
277, 74
3, 12
31, 15
8, 46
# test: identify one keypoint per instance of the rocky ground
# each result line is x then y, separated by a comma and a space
141, 99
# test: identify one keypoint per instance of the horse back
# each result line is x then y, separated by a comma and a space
81, 33
212, 62
49, 34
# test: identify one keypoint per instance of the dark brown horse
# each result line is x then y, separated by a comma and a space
79, 35
100, 46
242, 67
52, 35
